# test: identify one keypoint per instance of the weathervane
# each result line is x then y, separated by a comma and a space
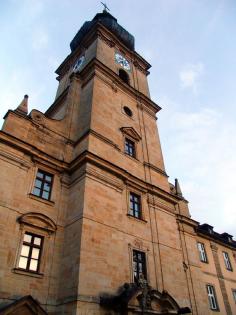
105, 7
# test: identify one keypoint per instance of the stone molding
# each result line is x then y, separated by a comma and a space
10, 158
131, 132
38, 220
155, 168
156, 202
25, 305
97, 175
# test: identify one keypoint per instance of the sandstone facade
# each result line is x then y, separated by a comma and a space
89, 232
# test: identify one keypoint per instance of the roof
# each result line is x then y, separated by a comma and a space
225, 238
110, 22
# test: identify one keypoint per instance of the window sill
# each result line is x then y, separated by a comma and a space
27, 273
48, 202
204, 262
133, 158
137, 219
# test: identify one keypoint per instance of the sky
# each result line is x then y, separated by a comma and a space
192, 49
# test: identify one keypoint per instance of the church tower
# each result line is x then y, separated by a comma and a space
92, 225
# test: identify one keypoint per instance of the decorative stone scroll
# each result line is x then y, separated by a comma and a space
141, 298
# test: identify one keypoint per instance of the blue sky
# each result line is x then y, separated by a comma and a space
191, 46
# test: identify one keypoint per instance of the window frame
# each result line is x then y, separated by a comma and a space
212, 297
202, 252
31, 246
227, 261
44, 182
135, 254
130, 141
138, 202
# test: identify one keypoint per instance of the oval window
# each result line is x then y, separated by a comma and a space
128, 111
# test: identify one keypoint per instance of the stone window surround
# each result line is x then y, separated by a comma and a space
46, 183
33, 178
131, 189
31, 245
202, 252
214, 297
124, 113
130, 134
130, 147
227, 261
141, 248
135, 206
44, 230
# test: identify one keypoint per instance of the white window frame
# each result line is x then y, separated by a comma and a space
212, 297
202, 252
227, 261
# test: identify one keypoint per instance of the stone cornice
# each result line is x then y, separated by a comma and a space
42, 157
35, 153
121, 173
158, 170
185, 220
156, 202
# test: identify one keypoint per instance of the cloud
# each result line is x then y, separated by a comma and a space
199, 149
190, 75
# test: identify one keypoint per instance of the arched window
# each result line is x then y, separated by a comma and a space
124, 76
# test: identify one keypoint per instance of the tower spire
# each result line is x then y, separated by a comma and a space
177, 188
23, 106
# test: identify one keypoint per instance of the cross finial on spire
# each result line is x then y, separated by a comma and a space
105, 7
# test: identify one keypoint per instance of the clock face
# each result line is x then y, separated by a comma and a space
121, 60
78, 64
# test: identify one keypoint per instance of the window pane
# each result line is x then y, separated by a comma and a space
36, 191
25, 251
38, 183
37, 241
27, 238
33, 265
45, 195
22, 262
46, 187
39, 174
48, 178
35, 253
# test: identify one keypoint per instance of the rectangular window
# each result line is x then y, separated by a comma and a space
234, 295
130, 147
227, 261
43, 185
139, 265
135, 205
212, 297
30, 252
202, 252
